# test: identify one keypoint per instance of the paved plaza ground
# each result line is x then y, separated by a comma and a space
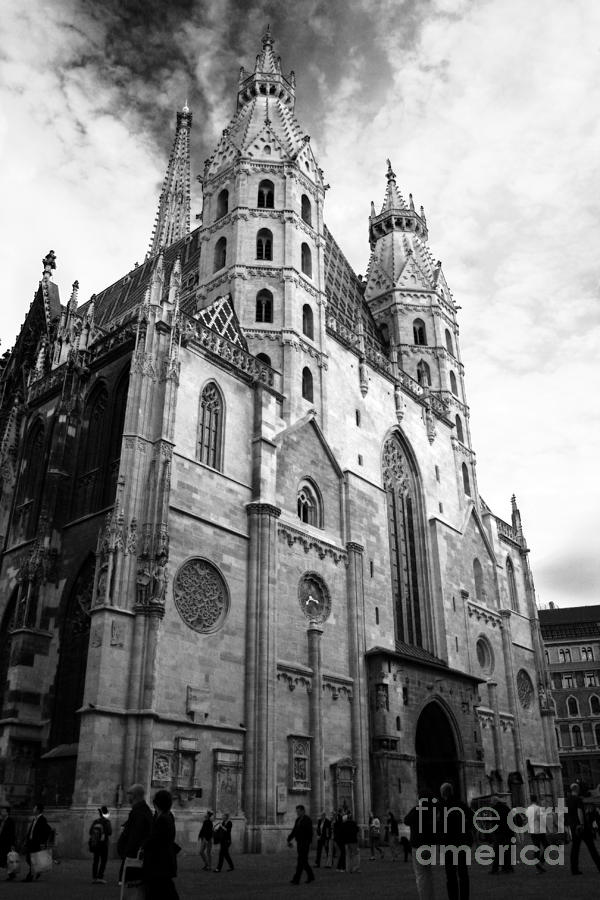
268, 877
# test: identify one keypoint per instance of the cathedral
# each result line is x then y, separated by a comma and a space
244, 555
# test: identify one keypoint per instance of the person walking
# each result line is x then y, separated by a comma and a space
350, 833
100, 832
222, 835
332, 850
500, 838
38, 835
159, 866
394, 835
302, 833
323, 838
375, 836
136, 829
7, 838
338, 837
205, 836
537, 830
422, 821
580, 830
456, 833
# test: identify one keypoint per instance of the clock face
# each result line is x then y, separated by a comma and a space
314, 597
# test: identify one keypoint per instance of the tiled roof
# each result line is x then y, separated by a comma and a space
570, 623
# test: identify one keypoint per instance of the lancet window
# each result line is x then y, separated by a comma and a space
31, 482
264, 244
223, 203
307, 321
264, 306
210, 426
220, 254
306, 260
306, 210
307, 384
266, 195
419, 332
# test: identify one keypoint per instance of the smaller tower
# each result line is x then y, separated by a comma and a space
173, 216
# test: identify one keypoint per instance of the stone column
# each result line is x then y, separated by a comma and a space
509, 668
360, 700
261, 667
492, 687
315, 632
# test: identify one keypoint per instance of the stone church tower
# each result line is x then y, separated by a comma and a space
244, 554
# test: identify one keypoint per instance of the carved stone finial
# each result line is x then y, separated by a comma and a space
49, 263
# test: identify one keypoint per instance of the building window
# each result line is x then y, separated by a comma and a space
89, 487
590, 679
595, 705
264, 244
480, 593
210, 427
577, 736
568, 681
220, 254
299, 766
465, 477
419, 333
597, 734
309, 507
306, 260
307, 321
423, 373
485, 657
453, 385
266, 195
264, 306
572, 706
547, 655
449, 342
405, 532
587, 654
564, 655
558, 741
31, 483
307, 384
306, 210
264, 358
223, 203
201, 595
512, 584
459, 430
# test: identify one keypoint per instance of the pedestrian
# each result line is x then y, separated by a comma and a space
159, 866
302, 833
205, 836
38, 835
501, 838
100, 832
580, 830
422, 821
332, 851
406, 847
338, 838
136, 829
537, 830
323, 837
7, 838
222, 837
456, 831
375, 836
394, 835
350, 833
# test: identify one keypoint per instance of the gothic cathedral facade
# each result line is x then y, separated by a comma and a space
244, 553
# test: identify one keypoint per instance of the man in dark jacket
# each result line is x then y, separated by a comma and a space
501, 838
38, 835
581, 830
323, 837
302, 833
100, 832
205, 836
456, 833
137, 828
7, 837
422, 821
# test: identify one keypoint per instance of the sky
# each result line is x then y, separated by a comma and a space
488, 110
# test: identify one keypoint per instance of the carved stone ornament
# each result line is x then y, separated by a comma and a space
395, 467
314, 598
524, 688
201, 595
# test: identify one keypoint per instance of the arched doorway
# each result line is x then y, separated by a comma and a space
435, 745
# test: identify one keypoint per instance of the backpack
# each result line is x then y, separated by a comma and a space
96, 836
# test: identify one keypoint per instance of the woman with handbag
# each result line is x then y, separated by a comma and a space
7, 840
38, 857
159, 866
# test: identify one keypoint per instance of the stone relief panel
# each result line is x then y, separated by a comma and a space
201, 595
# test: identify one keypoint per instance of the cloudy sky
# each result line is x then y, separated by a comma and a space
488, 110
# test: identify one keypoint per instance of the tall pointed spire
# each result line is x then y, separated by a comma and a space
393, 198
173, 216
267, 79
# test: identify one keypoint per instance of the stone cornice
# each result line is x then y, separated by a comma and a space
483, 613
294, 675
309, 542
256, 508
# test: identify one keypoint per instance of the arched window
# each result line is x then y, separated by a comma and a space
406, 537
419, 333
89, 484
577, 736
306, 260
31, 483
210, 427
113, 457
309, 506
307, 384
465, 477
453, 384
423, 373
306, 210
478, 578
597, 734
572, 706
459, 430
223, 203
558, 742
264, 358
266, 195
595, 705
307, 321
264, 306
264, 244
220, 254
512, 584
449, 342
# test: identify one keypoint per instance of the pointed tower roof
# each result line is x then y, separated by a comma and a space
393, 198
173, 216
